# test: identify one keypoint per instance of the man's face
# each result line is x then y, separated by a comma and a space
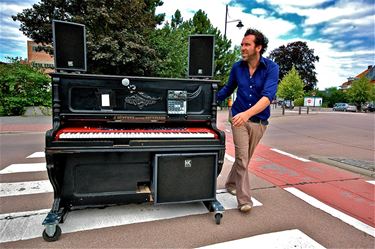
248, 48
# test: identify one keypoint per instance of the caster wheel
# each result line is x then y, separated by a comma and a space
55, 236
218, 218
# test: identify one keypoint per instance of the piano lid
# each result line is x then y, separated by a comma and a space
128, 98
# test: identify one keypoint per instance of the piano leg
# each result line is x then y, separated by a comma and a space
215, 206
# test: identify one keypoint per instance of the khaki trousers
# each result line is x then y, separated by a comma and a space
245, 138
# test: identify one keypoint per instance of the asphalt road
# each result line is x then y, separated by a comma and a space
330, 134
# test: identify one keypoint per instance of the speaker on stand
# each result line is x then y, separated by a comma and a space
69, 42
201, 56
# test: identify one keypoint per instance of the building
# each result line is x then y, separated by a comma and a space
369, 73
39, 58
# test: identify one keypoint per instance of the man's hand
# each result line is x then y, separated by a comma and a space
240, 119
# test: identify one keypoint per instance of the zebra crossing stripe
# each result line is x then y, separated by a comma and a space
334, 212
24, 167
278, 240
25, 188
22, 226
39, 154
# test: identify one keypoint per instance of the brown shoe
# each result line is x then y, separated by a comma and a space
245, 208
231, 191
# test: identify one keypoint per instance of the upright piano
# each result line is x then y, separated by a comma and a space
120, 139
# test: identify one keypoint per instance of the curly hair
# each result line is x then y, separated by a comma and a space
260, 39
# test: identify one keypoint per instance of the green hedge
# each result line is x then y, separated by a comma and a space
21, 85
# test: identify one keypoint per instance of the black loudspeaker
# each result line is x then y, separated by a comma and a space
69, 41
201, 56
187, 177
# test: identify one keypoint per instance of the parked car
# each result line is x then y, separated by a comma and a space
288, 104
345, 107
370, 107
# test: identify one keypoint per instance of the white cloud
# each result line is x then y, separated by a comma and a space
258, 11
12, 8
299, 3
342, 9
340, 20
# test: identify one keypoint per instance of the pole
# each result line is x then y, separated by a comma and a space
226, 18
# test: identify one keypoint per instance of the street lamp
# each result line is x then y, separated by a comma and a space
239, 24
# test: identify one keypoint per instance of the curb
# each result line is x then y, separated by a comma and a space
345, 166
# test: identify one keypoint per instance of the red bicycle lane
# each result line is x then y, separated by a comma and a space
340, 189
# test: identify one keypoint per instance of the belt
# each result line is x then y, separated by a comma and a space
258, 120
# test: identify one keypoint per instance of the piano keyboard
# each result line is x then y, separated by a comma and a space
90, 133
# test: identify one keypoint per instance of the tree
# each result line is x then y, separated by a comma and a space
176, 19
291, 86
22, 85
299, 55
333, 95
116, 32
361, 91
171, 44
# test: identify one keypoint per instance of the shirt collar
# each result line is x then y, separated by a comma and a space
262, 62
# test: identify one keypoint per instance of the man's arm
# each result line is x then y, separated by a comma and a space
242, 117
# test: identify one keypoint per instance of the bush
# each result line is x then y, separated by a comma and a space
22, 85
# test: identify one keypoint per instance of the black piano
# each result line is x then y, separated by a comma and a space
119, 139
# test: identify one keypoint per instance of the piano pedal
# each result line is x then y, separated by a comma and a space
142, 189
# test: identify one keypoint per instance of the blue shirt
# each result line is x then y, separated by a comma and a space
251, 89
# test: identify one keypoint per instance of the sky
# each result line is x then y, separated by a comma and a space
341, 32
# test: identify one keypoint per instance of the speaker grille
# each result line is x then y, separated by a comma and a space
201, 56
184, 177
69, 40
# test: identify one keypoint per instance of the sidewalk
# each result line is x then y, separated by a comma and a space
9, 124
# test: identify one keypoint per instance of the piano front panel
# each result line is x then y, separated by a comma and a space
88, 173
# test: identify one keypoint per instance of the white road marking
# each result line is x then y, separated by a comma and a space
230, 158
23, 214
27, 225
25, 188
278, 240
290, 155
39, 154
371, 182
334, 212
230, 201
24, 167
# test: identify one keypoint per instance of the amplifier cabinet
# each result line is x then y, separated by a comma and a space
188, 177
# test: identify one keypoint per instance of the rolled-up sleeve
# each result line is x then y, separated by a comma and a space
271, 81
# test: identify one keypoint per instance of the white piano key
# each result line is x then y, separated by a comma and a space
98, 135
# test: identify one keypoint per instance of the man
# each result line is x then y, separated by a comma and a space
256, 79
